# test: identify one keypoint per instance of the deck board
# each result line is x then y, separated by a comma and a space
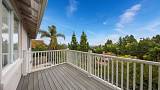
35, 81
31, 82
61, 77
41, 81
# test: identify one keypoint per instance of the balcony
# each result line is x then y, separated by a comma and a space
76, 70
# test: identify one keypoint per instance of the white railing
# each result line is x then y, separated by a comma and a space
126, 73
43, 59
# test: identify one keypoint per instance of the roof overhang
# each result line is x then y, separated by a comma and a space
31, 12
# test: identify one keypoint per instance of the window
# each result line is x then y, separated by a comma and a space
5, 35
15, 39
10, 37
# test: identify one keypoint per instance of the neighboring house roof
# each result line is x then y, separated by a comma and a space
31, 13
38, 42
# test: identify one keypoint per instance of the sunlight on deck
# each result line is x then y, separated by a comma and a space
61, 77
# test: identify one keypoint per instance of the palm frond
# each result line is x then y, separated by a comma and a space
60, 35
44, 34
52, 29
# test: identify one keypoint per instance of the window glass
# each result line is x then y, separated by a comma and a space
5, 36
15, 39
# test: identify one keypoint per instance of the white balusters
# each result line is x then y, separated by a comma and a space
112, 72
134, 76
127, 75
101, 66
108, 70
141, 78
98, 65
54, 58
150, 78
35, 60
105, 69
117, 73
38, 59
159, 78
122, 74
46, 57
95, 69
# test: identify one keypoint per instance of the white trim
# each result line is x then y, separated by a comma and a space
9, 67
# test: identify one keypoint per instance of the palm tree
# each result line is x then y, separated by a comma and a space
52, 34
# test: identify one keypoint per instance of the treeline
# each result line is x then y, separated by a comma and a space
128, 46
83, 45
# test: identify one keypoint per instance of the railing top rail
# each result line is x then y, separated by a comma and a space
78, 51
48, 51
129, 59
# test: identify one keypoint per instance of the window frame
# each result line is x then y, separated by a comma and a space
12, 44
12, 15
5, 4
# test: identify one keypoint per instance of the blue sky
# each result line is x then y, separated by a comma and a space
103, 19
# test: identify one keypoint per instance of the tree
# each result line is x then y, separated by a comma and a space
110, 47
38, 45
143, 47
74, 44
98, 49
62, 46
52, 34
84, 45
109, 42
156, 39
153, 54
127, 45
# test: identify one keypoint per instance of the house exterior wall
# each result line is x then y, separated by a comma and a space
11, 74
12, 63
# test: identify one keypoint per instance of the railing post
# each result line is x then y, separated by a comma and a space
30, 61
24, 64
27, 64
67, 52
89, 64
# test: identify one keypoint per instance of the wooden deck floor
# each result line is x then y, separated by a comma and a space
61, 77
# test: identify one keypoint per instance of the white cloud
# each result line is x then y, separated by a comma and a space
153, 27
127, 17
72, 7
100, 40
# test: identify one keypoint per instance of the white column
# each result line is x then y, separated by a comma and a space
24, 64
0, 43
29, 60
